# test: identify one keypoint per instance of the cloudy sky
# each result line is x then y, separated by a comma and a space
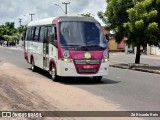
12, 10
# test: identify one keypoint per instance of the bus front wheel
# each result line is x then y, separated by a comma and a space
53, 73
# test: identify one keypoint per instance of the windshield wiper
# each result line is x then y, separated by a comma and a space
75, 46
71, 46
100, 47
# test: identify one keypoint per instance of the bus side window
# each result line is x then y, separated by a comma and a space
54, 36
45, 35
28, 36
36, 34
32, 33
49, 37
42, 34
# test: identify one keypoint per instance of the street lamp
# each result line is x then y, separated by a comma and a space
59, 7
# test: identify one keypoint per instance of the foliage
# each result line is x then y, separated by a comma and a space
9, 32
138, 20
87, 15
104, 19
117, 15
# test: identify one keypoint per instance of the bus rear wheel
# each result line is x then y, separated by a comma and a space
33, 67
97, 78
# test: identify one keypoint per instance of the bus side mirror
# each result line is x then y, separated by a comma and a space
107, 37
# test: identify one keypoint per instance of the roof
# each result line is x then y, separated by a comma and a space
49, 21
42, 22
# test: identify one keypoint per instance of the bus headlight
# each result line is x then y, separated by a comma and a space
66, 60
105, 60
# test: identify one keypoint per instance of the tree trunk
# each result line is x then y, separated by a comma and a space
137, 60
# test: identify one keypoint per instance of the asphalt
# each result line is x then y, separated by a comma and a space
137, 67
128, 89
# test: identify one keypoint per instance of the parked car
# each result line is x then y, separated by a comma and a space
11, 43
1, 42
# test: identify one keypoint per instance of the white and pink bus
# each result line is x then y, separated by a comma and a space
67, 46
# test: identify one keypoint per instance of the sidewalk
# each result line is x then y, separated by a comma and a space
137, 67
142, 56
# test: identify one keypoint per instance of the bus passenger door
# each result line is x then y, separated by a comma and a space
46, 48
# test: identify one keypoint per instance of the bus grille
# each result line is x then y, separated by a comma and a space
87, 70
82, 62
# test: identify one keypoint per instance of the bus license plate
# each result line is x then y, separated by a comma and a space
88, 66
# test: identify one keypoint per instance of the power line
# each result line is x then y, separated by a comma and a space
66, 5
60, 7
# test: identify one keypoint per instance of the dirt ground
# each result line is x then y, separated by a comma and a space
23, 90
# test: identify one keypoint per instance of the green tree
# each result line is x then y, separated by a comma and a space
9, 32
116, 12
143, 26
136, 19
104, 19
87, 15
10, 28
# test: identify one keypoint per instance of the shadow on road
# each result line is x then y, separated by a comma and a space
85, 81
76, 80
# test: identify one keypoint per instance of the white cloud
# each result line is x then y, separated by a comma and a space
12, 10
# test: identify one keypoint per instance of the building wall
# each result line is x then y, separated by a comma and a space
113, 45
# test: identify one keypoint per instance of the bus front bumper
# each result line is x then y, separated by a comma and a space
67, 69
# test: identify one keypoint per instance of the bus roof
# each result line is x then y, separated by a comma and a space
49, 21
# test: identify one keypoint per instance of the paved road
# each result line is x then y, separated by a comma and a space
131, 90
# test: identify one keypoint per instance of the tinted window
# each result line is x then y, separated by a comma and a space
28, 37
36, 34
50, 36
32, 33
41, 35
82, 36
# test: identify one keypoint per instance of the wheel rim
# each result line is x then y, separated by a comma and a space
32, 66
53, 73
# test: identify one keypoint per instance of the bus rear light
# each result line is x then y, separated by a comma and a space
105, 60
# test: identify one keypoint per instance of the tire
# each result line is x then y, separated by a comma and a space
97, 78
53, 74
33, 67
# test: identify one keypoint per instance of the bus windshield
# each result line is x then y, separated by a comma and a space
82, 36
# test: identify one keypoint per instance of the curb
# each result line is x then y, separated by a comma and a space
136, 69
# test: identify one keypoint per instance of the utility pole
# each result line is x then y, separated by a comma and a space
31, 16
20, 21
66, 3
